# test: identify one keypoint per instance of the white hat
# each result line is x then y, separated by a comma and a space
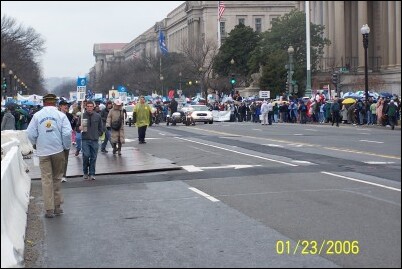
118, 102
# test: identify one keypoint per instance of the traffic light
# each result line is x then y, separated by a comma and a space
4, 84
335, 78
233, 80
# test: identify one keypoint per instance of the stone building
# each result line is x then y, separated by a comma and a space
195, 21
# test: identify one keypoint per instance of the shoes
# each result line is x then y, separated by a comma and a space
92, 177
58, 211
118, 152
142, 142
77, 152
63, 179
114, 151
85, 176
49, 214
104, 151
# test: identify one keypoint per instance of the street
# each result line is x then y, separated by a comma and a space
286, 195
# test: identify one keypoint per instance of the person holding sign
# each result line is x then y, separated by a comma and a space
115, 124
92, 128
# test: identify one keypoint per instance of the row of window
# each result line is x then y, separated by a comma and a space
257, 25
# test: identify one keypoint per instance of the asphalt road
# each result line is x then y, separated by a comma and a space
248, 195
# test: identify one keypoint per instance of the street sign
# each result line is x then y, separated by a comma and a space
81, 92
264, 94
81, 81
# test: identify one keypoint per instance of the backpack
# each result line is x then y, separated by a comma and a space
116, 124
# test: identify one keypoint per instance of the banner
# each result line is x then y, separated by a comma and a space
113, 94
221, 115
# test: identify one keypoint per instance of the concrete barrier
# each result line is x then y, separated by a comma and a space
21, 135
15, 190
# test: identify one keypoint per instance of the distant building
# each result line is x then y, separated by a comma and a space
195, 21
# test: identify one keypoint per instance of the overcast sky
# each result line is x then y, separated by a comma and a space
70, 29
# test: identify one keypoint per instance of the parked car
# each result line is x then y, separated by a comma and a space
129, 109
201, 113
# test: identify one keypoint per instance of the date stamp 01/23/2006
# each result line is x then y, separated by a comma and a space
314, 247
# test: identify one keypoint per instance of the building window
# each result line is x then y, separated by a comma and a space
223, 30
242, 21
258, 25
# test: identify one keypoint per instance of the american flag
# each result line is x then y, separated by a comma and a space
221, 9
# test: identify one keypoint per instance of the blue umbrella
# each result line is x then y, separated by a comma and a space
386, 94
348, 94
28, 103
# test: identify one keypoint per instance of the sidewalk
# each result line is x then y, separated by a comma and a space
131, 161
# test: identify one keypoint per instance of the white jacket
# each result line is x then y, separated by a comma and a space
50, 130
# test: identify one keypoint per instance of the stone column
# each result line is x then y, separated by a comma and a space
339, 33
398, 34
326, 24
384, 34
392, 34
362, 19
331, 33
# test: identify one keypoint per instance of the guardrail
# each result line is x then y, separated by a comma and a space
15, 192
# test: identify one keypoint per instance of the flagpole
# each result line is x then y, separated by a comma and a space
219, 28
160, 72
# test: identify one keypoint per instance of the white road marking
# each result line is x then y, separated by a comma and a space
209, 197
273, 145
192, 168
304, 162
297, 134
375, 162
313, 130
370, 141
362, 181
238, 152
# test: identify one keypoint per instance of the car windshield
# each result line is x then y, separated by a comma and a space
200, 108
129, 108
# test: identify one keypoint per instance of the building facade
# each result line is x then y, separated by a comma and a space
195, 21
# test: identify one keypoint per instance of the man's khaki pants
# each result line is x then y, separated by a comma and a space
52, 168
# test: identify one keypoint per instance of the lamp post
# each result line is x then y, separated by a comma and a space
3, 78
161, 79
232, 62
290, 52
15, 83
201, 80
180, 74
365, 30
10, 73
3, 66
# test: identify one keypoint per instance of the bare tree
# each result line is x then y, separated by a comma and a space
200, 56
20, 48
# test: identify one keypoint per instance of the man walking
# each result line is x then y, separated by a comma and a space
104, 114
91, 129
63, 107
50, 132
142, 113
115, 125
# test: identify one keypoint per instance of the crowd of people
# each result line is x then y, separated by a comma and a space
56, 127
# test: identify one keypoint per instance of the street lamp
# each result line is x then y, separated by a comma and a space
201, 79
15, 83
3, 66
290, 52
180, 74
232, 80
11, 80
161, 79
365, 30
